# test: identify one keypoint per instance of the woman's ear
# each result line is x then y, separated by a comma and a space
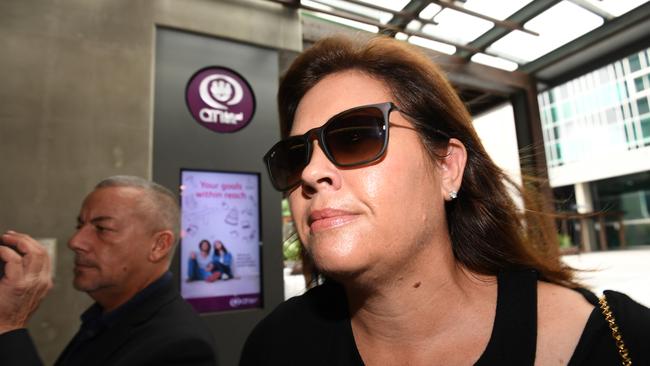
452, 167
162, 245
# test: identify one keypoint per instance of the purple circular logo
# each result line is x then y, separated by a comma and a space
220, 99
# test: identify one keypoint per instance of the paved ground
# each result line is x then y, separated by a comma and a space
627, 271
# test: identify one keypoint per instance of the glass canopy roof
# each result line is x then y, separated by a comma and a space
505, 34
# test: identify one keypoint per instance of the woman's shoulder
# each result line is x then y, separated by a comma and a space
629, 308
597, 344
559, 304
562, 316
572, 326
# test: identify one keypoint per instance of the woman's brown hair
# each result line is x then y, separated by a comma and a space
487, 230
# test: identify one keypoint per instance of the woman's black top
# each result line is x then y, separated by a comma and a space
314, 329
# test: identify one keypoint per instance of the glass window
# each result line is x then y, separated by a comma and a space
635, 63
638, 83
630, 194
546, 117
395, 5
434, 45
524, 47
616, 7
430, 11
611, 115
567, 110
642, 105
498, 62
603, 74
401, 36
487, 7
621, 93
622, 112
364, 11
457, 27
414, 26
645, 127
618, 70
344, 21
545, 133
541, 99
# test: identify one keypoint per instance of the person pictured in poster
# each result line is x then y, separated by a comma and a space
200, 265
222, 261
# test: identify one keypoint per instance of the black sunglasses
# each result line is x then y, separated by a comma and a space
351, 138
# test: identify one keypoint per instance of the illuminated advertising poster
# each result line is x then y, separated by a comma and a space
220, 240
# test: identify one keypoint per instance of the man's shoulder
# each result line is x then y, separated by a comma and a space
171, 332
171, 311
165, 317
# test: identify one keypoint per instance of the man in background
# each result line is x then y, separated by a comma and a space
126, 234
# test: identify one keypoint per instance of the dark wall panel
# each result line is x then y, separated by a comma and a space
180, 142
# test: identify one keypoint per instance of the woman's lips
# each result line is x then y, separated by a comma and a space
320, 220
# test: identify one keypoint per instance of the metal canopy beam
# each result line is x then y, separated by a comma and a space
413, 8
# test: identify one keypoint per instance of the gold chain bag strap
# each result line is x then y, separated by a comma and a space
609, 317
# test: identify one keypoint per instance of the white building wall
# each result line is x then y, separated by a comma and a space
496, 128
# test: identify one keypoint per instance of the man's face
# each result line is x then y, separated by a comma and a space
112, 242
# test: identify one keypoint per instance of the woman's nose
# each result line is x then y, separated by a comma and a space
320, 172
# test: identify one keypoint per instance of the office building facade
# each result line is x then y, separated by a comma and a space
597, 141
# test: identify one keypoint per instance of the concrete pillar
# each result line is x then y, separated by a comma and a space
585, 204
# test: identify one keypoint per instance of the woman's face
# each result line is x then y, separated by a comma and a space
218, 246
369, 219
205, 246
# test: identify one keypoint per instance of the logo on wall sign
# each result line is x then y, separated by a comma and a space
220, 99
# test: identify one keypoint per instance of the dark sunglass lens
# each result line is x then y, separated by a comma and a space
286, 161
356, 137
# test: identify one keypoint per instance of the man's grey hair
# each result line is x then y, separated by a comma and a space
163, 204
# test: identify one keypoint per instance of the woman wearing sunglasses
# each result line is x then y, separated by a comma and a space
411, 224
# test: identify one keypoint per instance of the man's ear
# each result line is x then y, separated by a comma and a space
163, 243
452, 167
